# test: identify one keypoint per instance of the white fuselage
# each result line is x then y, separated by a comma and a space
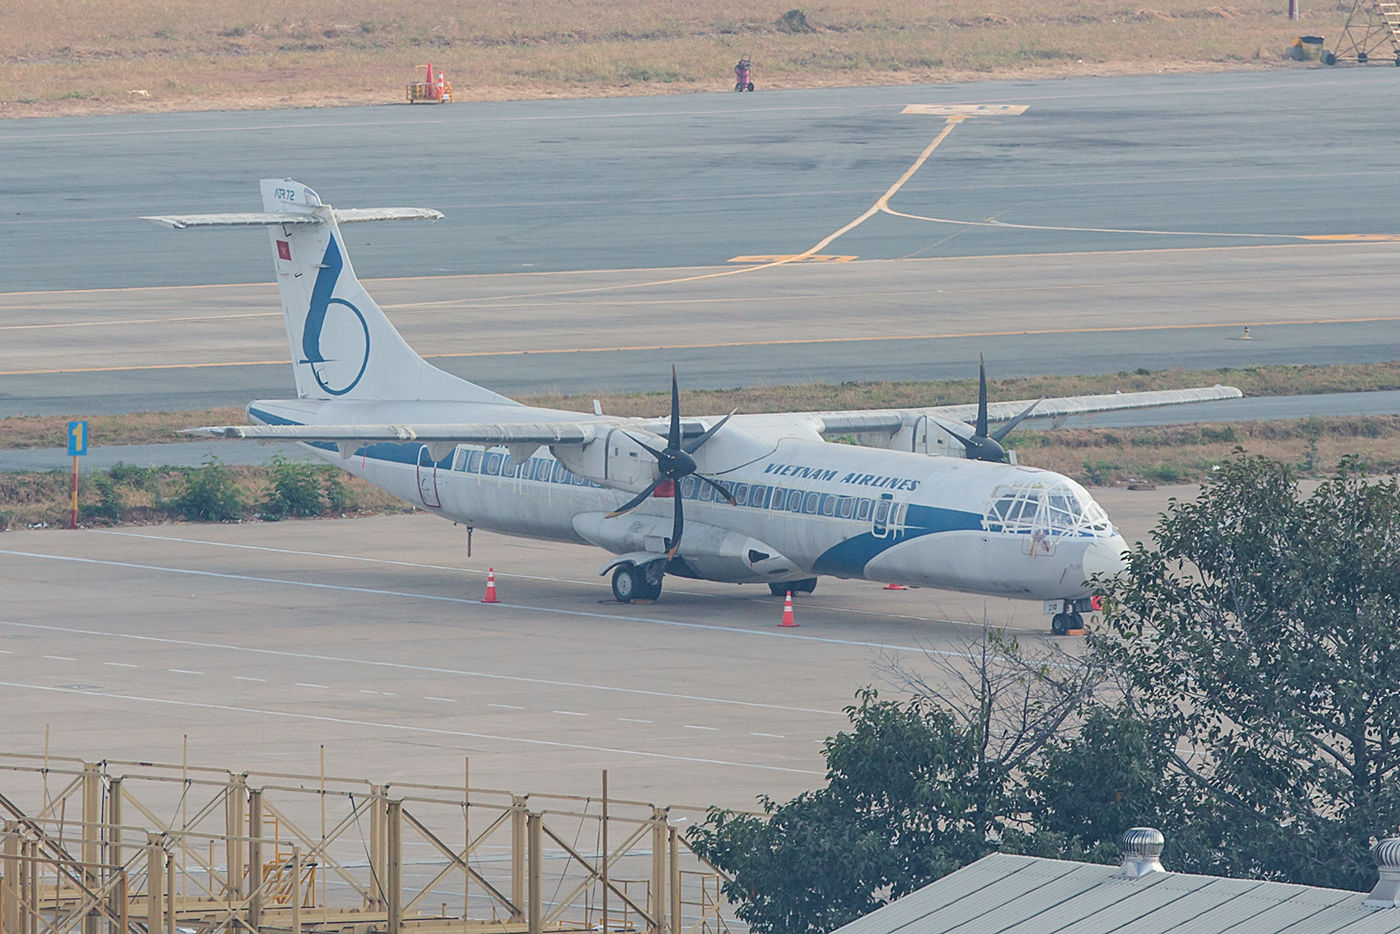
806, 507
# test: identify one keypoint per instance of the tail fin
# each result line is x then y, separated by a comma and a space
342, 344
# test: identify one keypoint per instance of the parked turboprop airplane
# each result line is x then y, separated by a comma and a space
919, 499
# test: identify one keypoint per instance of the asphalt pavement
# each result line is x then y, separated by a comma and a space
698, 179
1115, 224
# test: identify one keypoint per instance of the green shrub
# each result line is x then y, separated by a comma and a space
295, 490
109, 504
210, 495
338, 495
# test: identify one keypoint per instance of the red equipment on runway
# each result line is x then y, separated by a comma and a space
741, 75
435, 90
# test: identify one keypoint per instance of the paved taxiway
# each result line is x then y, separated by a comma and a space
1116, 223
699, 179
261, 641
187, 347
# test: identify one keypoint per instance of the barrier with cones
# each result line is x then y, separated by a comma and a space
789, 621
490, 587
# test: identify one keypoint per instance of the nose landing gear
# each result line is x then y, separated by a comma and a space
1069, 615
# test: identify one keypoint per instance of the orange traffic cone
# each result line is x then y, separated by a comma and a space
788, 620
895, 587
490, 587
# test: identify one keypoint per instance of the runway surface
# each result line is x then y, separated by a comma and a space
699, 179
1116, 223
263, 640
99, 352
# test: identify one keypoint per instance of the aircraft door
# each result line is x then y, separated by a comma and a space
883, 509
427, 479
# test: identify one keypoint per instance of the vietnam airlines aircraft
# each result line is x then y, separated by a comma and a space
921, 498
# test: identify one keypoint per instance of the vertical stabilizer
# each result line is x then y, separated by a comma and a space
342, 344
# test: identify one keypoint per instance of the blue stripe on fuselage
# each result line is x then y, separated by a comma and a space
849, 558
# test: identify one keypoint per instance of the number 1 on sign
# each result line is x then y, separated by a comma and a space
77, 446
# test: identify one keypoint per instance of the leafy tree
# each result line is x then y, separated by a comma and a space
1262, 638
210, 495
914, 791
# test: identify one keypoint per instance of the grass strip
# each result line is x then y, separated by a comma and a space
157, 427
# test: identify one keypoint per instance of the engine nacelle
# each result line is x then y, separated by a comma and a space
614, 460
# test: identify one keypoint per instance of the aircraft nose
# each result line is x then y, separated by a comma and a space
1105, 556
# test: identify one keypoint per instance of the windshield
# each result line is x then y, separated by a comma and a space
1062, 507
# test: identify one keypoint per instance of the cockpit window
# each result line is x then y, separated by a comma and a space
1054, 509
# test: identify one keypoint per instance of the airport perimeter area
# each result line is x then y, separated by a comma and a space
1086, 226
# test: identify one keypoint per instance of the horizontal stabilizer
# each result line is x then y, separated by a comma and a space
290, 219
526, 433
360, 215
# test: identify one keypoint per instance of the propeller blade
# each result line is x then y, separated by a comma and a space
637, 500
678, 529
694, 446
659, 455
722, 491
674, 441
981, 431
1005, 430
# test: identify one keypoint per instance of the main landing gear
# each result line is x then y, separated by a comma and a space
630, 582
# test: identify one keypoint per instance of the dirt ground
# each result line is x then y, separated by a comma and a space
116, 56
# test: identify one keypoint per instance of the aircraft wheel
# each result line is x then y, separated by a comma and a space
1059, 625
803, 586
627, 583
779, 590
1076, 621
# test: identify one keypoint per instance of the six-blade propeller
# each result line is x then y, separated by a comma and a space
675, 463
980, 445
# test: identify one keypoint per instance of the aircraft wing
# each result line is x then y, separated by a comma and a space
892, 420
492, 434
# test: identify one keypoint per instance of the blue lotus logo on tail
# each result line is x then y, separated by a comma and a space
334, 362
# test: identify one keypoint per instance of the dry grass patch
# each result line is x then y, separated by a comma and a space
118, 55
1252, 381
51, 431
1189, 453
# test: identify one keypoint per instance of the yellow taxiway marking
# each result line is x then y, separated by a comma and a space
103, 324
773, 257
1010, 332
785, 260
966, 110
1352, 238
990, 222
